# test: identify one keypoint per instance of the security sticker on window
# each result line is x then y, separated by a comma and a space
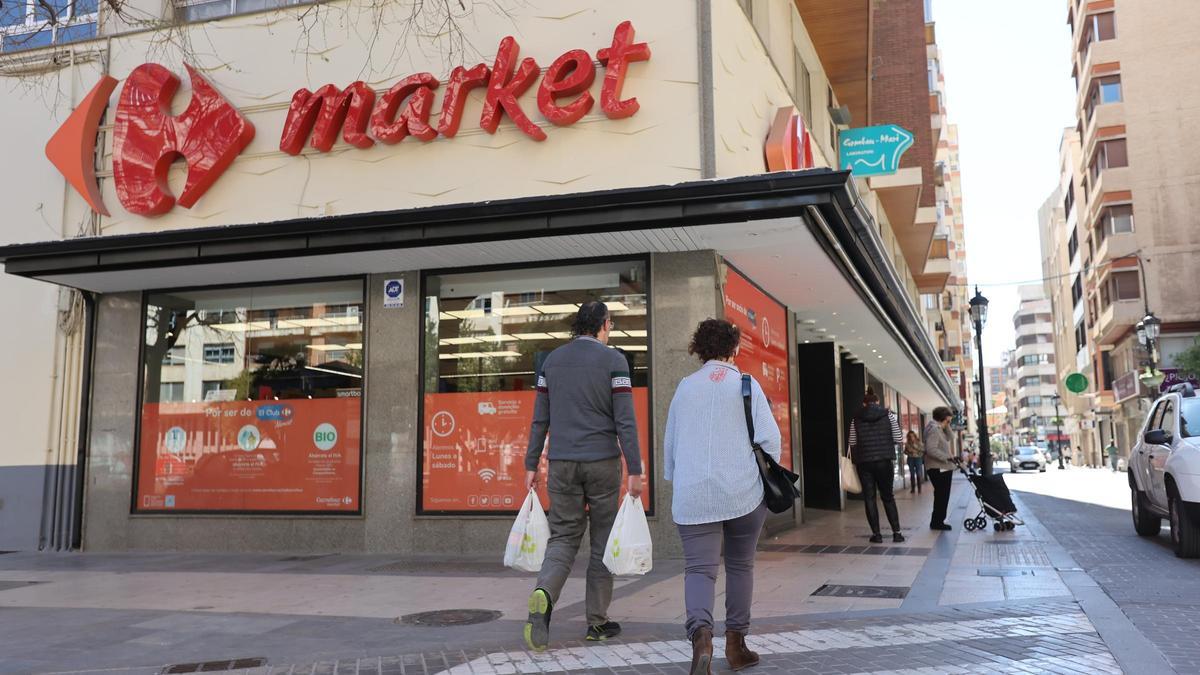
393, 294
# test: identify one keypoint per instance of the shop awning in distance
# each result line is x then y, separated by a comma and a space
796, 212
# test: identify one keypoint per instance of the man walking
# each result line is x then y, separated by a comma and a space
1113, 454
585, 393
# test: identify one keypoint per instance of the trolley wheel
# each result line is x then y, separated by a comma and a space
980, 522
998, 526
1010, 526
969, 524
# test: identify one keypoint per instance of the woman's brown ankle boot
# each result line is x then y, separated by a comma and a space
736, 651
702, 652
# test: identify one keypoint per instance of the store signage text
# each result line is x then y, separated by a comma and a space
789, 143
404, 109
211, 133
873, 151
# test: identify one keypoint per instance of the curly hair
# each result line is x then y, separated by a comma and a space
590, 319
942, 413
714, 339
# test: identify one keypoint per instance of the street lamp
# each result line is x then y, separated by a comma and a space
979, 306
1058, 428
1148, 330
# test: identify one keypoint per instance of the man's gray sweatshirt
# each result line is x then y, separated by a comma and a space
585, 393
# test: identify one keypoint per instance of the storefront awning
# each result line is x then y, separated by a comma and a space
815, 209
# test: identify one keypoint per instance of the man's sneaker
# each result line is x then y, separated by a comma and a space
897, 537
537, 627
939, 526
877, 539
608, 629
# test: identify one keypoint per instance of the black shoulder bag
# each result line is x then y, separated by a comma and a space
779, 484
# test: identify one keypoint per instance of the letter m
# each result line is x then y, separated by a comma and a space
324, 112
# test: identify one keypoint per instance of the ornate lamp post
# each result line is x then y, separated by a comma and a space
1148, 330
1058, 428
979, 306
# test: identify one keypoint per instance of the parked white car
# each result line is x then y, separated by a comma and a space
1027, 458
1164, 470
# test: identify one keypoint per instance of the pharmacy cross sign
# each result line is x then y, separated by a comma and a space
211, 133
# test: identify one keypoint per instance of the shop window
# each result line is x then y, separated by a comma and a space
270, 420
1125, 286
202, 10
486, 335
29, 24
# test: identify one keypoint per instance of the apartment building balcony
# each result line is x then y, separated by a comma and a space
938, 267
1111, 183
1096, 60
1104, 116
1116, 320
1116, 246
899, 195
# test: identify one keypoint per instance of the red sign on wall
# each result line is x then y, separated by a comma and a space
473, 455
211, 133
764, 348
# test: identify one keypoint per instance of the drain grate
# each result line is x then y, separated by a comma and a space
1004, 572
215, 666
1010, 555
827, 549
450, 617
878, 592
304, 558
9, 585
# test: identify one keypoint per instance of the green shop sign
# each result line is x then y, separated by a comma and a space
873, 151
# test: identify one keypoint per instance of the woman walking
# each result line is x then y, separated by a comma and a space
914, 454
717, 501
939, 465
874, 435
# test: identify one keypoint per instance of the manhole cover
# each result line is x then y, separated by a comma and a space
450, 617
843, 591
215, 666
9, 585
1004, 572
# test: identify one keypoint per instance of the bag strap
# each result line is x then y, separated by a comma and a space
746, 390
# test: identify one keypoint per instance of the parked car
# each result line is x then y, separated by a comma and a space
1164, 470
1028, 458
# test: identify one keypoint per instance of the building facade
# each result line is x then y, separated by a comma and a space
322, 330
1134, 182
1034, 373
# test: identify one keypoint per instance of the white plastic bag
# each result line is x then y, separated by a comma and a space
629, 550
528, 538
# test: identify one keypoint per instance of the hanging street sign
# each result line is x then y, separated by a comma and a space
873, 151
1077, 383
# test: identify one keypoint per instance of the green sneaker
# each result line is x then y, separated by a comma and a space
537, 628
601, 632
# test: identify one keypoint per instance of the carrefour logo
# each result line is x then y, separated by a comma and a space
278, 412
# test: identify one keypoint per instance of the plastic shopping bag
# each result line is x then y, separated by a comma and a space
528, 538
629, 549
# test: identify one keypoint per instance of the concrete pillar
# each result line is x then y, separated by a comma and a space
684, 290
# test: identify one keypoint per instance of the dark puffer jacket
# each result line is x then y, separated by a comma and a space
874, 435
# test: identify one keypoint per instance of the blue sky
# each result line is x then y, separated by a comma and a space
1009, 90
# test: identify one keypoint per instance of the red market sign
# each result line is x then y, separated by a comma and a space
789, 143
211, 133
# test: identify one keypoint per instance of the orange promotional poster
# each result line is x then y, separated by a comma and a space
764, 348
474, 449
291, 455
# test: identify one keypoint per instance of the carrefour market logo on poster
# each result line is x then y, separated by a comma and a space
277, 412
